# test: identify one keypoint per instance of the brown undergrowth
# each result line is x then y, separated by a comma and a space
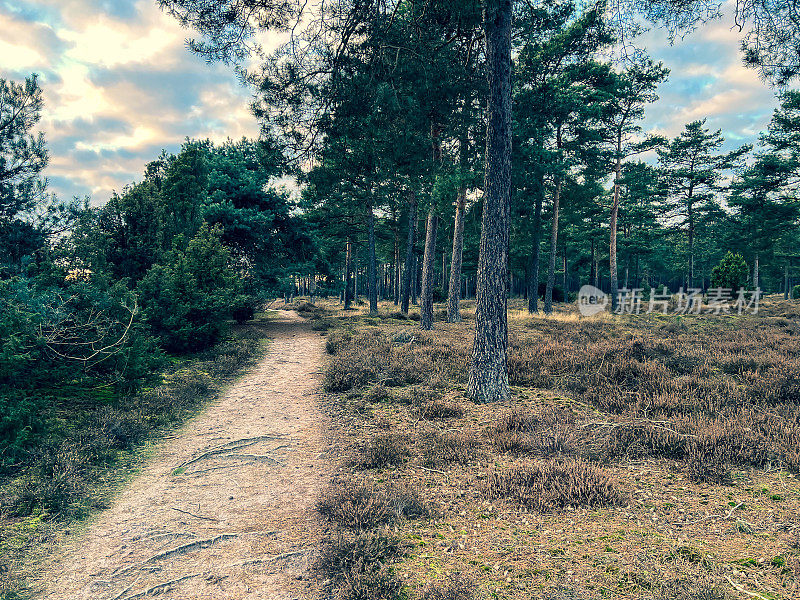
639, 457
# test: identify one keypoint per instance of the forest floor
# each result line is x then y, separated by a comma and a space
225, 508
643, 457
638, 457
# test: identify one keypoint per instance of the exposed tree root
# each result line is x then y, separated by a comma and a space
260, 561
227, 448
162, 586
159, 587
178, 551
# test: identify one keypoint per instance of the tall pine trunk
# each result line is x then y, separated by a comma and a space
348, 269
408, 269
786, 281
488, 377
691, 240
396, 270
454, 293
426, 295
551, 268
755, 273
373, 264
533, 269
612, 251
431, 230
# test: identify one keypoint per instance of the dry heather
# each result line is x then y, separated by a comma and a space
639, 457
665, 387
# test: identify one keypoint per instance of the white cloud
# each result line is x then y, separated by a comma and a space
119, 85
106, 43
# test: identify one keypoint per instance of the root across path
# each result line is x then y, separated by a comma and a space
226, 508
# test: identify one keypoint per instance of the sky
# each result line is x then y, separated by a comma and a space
120, 86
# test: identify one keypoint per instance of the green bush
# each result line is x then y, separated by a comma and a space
189, 299
796, 292
80, 343
731, 272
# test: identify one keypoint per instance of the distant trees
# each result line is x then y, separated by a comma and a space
764, 196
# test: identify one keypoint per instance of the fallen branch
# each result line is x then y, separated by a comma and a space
434, 471
654, 424
190, 546
708, 517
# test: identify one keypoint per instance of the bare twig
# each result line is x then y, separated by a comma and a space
195, 516
741, 589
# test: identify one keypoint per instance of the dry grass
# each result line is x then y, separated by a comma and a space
382, 450
554, 484
728, 382
355, 506
343, 554
456, 586
638, 458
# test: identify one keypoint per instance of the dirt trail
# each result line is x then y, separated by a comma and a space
224, 510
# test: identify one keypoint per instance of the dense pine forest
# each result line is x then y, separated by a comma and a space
465, 167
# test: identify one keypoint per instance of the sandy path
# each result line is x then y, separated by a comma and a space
252, 525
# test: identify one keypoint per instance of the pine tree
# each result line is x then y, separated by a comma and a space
693, 171
627, 95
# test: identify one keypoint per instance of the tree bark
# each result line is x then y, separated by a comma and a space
551, 269
533, 269
355, 276
428, 261
396, 270
443, 280
755, 273
373, 264
454, 294
612, 252
408, 269
488, 377
348, 269
786, 281
691, 240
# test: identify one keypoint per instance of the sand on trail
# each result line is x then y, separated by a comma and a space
225, 509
